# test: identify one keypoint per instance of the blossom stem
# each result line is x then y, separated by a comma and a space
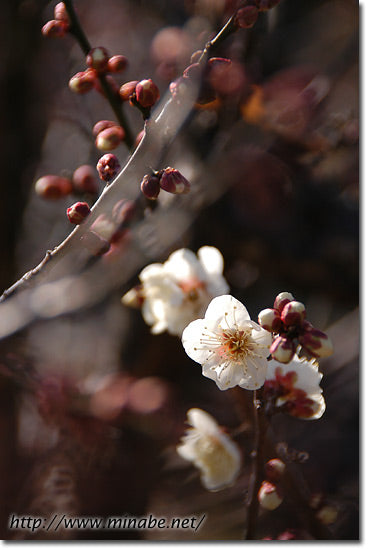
260, 426
78, 32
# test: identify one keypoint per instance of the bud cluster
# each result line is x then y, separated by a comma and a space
140, 93
59, 26
270, 494
286, 320
83, 180
108, 135
170, 180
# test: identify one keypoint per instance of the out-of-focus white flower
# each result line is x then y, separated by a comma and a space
179, 290
231, 348
295, 388
211, 450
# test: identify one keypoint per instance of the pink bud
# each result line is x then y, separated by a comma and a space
82, 82
270, 320
293, 314
97, 59
102, 125
53, 187
109, 138
269, 496
84, 180
55, 29
316, 343
274, 469
282, 349
172, 181
147, 93
108, 167
281, 300
150, 186
127, 90
78, 212
246, 17
117, 64
60, 13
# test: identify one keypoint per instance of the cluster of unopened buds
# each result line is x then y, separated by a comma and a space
169, 179
286, 321
270, 494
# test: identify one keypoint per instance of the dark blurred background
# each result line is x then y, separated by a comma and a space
93, 404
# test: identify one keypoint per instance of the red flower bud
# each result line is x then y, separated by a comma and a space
293, 313
55, 28
274, 469
281, 300
282, 349
246, 17
172, 181
60, 13
78, 212
108, 167
53, 187
147, 93
82, 82
270, 320
109, 138
117, 64
150, 186
97, 59
102, 125
127, 90
84, 180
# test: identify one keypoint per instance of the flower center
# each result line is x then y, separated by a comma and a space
236, 343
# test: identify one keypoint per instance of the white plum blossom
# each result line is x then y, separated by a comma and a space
211, 450
179, 290
295, 387
231, 348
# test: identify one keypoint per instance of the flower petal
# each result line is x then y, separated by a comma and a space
211, 259
227, 312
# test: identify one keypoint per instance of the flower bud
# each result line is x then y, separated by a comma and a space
102, 125
270, 320
82, 82
60, 13
316, 343
172, 181
127, 90
147, 93
269, 496
282, 349
327, 514
150, 186
95, 244
53, 187
274, 469
78, 212
265, 5
55, 29
117, 64
110, 138
108, 167
293, 313
97, 59
84, 180
282, 299
246, 17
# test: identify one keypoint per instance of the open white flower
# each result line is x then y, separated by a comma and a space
179, 290
231, 348
295, 388
211, 450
